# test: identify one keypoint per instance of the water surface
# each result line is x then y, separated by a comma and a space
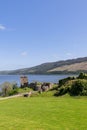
33, 78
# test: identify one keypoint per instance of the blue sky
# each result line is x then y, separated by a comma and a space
37, 31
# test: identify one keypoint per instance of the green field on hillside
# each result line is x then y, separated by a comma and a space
44, 113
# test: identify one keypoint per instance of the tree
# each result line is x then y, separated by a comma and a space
9, 89
6, 88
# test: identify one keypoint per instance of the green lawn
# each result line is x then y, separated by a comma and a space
44, 113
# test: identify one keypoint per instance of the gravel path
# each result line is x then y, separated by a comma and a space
18, 95
4, 98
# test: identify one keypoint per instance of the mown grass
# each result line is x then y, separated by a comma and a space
44, 113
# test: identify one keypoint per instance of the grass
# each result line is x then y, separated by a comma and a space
44, 113
24, 90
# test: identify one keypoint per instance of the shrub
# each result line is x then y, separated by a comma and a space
73, 86
13, 92
76, 88
63, 81
82, 76
84, 93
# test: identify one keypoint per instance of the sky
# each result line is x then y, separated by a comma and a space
33, 32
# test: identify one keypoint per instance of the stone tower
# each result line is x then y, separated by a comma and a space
24, 81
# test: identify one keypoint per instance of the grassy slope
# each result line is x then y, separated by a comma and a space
54, 67
73, 67
44, 113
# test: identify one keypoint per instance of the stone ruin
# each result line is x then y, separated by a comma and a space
24, 81
40, 88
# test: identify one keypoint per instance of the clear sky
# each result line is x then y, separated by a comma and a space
38, 31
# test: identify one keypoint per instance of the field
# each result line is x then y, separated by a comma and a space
44, 113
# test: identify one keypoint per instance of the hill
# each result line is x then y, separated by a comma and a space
60, 67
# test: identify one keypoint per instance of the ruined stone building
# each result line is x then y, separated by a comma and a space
24, 81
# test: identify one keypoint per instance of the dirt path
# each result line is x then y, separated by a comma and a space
18, 95
4, 98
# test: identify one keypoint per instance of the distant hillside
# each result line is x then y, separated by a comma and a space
59, 67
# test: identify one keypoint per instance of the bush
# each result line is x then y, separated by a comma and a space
61, 91
63, 81
76, 88
73, 86
84, 93
82, 76
13, 92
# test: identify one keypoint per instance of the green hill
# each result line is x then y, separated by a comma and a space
60, 67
